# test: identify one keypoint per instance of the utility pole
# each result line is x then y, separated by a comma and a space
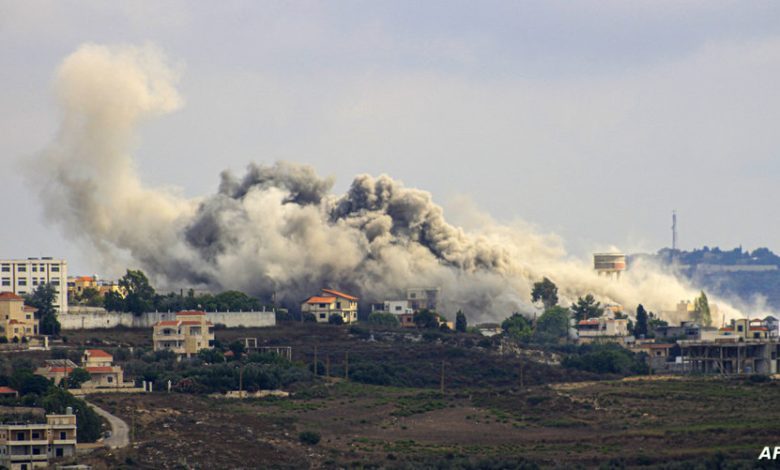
315, 360
441, 381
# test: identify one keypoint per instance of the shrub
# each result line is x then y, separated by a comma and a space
336, 319
384, 319
309, 437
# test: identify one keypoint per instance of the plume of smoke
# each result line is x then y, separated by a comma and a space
279, 229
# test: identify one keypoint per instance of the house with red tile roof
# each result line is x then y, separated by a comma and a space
331, 302
186, 335
17, 320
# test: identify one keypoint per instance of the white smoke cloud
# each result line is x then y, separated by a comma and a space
279, 229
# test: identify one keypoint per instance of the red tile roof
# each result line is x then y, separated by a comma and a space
61, 369
592, 321
190, 312
100, 370
27, 308
190, 322
758, 328
167, 323
85, 278
320, 300
7, 390
9, 296
98, 353
339, 294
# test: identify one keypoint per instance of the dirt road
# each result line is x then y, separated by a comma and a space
119, 429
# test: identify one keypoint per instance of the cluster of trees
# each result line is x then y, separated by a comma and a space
553, 324
606, 359
37, 391
141, 297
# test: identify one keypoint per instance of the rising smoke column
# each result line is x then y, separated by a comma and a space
279, 228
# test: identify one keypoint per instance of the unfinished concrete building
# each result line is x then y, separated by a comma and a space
732, 356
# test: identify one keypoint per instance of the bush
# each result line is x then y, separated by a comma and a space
336, 319
309, 438
383, 319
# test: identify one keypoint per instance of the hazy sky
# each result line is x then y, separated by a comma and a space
590, 119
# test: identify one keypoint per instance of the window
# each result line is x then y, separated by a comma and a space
110, 379
35, 281
6, 268
19, 436
34, 268
22, 268
36, 435
55, 281
338, 304
22, 281
323, 305
397, 308
413, 295
6, 281
55, 268
36, 450
63, 436
322, 315
58, 450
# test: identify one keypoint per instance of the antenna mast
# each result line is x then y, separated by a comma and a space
674, 230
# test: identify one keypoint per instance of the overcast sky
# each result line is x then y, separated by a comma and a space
589, 119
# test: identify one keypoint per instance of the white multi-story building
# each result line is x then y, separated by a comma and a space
23, 276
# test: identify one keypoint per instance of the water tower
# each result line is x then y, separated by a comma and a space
609, 264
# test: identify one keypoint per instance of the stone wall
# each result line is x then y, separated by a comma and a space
80, 321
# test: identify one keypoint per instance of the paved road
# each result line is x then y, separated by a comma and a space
119, 429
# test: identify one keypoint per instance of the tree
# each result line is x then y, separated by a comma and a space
701, 310
461, 324
42, 298
91, 297
336, 319
238, 348
546, 292
640, 329
586, 307
654, 322
552, 325
384, 319
140, 294
425, 318
78, 377
58, 400
114, 302
518, 327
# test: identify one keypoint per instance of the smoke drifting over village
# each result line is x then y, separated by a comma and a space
279, 229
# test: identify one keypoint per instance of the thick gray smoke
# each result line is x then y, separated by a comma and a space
279, 229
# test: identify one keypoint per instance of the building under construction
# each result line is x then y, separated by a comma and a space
730, 356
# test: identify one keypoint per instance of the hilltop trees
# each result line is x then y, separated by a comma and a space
140, 294
586, 307
641, 327
545, 291
518, 327
42, 298
461, 324
552, 325
701, 310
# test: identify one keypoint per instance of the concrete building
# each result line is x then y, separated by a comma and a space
77, 285
733, 355
602, 328
23, 276
419, 298
16, 319
609, 264
331, 302
56, 369
186, 335
24, 446
103, 373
